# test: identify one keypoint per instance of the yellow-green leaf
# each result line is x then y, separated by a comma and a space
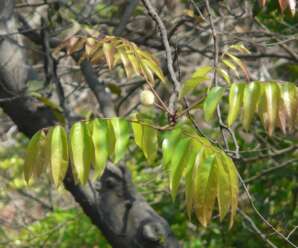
168, 146
81, 150
181, 154
121, 133
206, 188
100, 141
240, 48
235, 101
189, 177
212, 100
202, 71
251, 95
126, 62
234, 185
33, 154
191, 84
147, 139
58, 154
289, 101
223, 188
155, 69
272, 95
223, 73
238, 62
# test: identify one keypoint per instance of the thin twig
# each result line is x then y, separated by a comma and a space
256, 229
283, 237
215, 82
164, 35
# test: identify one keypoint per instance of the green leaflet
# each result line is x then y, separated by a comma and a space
34, 157
121, 133
147, 139
238, 62
179, 160
235, 101
289, 101
168, 146
240, 48
251, 95
205, 183
99, 136
202, 71
198, 77
189, 177
58, 154
81, 150
224, 74
212, 100
229, 64
272, 95
190, 85
223, 189
233, 182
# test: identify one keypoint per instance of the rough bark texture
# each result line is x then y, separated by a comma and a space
112, 203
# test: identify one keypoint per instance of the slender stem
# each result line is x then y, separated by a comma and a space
164, 35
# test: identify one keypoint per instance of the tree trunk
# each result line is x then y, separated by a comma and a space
112, 203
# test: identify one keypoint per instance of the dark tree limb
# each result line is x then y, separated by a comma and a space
117, 209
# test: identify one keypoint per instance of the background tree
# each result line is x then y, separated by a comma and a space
206, 50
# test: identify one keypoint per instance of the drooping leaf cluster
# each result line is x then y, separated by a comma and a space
207, 172
276, 104
114, 50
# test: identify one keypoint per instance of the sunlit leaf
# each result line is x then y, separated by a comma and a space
223, 73
109, 52
81, 150
155, 69
114, 50
126, 63
33, 154
99, 135
272, 95
205, 183
179, 161
202, 71
234, 184
190, 85
59, 154
235, 101
212, 100
147, 139
251, 95
238, 62
223, 188
121, 132
168, 146
190, 176
240, 48
292, 6
289, 101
